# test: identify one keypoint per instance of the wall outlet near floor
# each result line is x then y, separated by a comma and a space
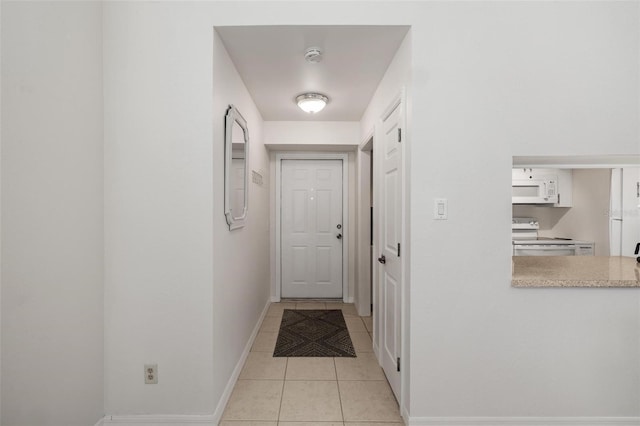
151, 374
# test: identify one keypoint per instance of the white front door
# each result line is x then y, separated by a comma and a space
390, 233
311, 227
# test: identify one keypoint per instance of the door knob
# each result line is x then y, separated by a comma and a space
339, 236
382, 259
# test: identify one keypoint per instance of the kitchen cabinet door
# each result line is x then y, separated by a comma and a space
565, 188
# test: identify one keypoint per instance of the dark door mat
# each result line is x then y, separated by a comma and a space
318, 333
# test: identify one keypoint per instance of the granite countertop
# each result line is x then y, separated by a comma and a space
575, 271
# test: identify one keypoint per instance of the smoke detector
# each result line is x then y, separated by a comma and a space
313, 55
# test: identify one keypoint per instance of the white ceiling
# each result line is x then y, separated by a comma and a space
270, 60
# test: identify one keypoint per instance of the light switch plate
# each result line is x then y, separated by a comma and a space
440, 209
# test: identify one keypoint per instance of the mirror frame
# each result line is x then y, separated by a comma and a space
233, 116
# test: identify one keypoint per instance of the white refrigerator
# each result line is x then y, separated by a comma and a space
624, 211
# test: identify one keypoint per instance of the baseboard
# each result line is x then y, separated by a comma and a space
275, 299
404, 413
217, 414
164, 420
182, 420
524, 421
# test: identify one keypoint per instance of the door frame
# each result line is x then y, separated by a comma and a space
345, 213
363, 243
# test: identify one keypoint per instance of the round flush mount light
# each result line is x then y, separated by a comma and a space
312, 102
313, 55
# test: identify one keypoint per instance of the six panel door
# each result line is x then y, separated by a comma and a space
311, 228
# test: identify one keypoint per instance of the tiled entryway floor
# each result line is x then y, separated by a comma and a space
312, 391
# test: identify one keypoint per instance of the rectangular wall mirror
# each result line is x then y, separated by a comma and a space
236, 168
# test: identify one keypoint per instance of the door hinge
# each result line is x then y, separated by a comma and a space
398, 363
398, 249
399, 134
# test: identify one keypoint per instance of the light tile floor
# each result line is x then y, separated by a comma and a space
312, 391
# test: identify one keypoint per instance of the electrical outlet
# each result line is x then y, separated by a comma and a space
151, 374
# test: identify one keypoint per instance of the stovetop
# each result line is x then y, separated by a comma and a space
524, 230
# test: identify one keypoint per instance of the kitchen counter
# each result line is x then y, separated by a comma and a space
575, 271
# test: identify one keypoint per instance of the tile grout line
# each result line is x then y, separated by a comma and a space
284, 380
338, 386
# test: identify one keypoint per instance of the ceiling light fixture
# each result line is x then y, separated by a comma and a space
312, 102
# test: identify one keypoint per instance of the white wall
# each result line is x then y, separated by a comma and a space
181, 290
159, 209
588, 219
490, 80
493, 80
287, 134
52, 218
158, 127
396, 79
241, 262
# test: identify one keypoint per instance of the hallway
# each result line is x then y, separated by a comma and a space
324, 391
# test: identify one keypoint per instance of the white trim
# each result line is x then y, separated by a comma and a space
165, 420
376, 347
404, 413
345, 214
180, 420
222, 403
367, 141
397, 100
404, 259
363, 223
524, 421
314, 147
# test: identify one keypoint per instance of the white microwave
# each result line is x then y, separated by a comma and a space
542, 190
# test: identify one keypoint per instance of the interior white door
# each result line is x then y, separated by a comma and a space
311, 228
390, 233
